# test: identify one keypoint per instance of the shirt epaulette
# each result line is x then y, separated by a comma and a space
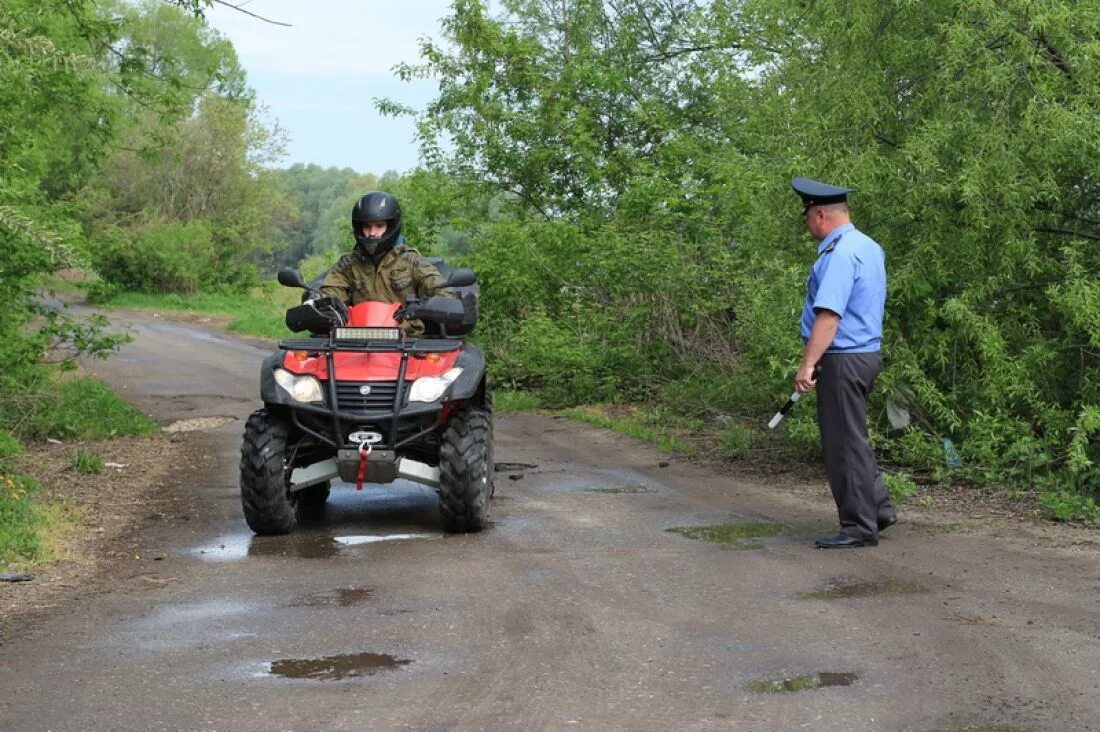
832, 244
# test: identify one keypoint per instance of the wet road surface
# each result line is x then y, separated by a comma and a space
578, 609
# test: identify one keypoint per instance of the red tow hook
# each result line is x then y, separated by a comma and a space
364, 452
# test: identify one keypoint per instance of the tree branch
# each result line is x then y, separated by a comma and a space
1067, 232
241, 9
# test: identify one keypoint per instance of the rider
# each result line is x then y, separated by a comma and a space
382, 267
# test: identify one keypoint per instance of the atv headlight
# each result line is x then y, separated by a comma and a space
431, 388
300, 388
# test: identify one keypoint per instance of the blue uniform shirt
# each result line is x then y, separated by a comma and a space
849, 278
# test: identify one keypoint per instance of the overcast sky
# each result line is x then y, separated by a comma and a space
319, 76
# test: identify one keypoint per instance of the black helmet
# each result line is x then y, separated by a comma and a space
376, 207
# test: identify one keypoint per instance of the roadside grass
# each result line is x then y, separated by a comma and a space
61, 519
21, 522
86, 462
514, 401
84, 408
34, 527
259, 312
633, 423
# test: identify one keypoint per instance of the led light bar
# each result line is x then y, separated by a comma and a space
368, 334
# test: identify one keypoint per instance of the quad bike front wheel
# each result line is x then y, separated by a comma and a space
268, 506
466, 470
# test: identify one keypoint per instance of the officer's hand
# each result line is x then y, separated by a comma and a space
805, 380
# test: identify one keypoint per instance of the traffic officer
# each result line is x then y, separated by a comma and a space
842, 330
381, 267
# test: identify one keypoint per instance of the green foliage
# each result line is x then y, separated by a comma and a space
506, 402
85, 409
86, 462
900, 487
564, 364
9, 448
1070, 506
315, 192
19, 521
633, 425
629, 168
171, 257
736, 440
259, 312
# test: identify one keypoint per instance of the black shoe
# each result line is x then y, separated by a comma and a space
843, 541
885, 523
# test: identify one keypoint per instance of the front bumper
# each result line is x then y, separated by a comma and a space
382, 467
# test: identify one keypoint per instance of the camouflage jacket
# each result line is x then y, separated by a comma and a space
403, 271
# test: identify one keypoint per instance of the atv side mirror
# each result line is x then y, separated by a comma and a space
440, 309
291, 278
461, 278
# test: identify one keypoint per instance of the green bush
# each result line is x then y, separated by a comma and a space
803, 432
9, 448
900, 487
1070, 506
168, 257
566, 364
100, 292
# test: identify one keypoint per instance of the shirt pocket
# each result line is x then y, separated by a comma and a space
401, 278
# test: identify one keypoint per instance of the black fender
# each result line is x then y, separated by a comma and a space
270, 392
471, 382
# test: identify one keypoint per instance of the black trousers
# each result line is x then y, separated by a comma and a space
844, 382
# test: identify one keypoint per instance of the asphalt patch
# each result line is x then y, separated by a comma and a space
513, 467
840, 589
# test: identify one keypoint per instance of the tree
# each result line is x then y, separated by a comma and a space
643, 152
198, 163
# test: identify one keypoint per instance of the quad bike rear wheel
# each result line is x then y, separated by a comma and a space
268, 505
466, 470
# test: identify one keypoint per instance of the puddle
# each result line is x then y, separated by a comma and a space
340, 597
840, 589
621, 489
301, 545
801, 683
730, 536
374, 539
198, 423
512, 467
333, 668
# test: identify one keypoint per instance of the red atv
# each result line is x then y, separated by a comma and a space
360, 401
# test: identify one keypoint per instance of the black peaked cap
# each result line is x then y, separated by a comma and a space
816, 193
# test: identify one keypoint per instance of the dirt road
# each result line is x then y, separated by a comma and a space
578, 609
